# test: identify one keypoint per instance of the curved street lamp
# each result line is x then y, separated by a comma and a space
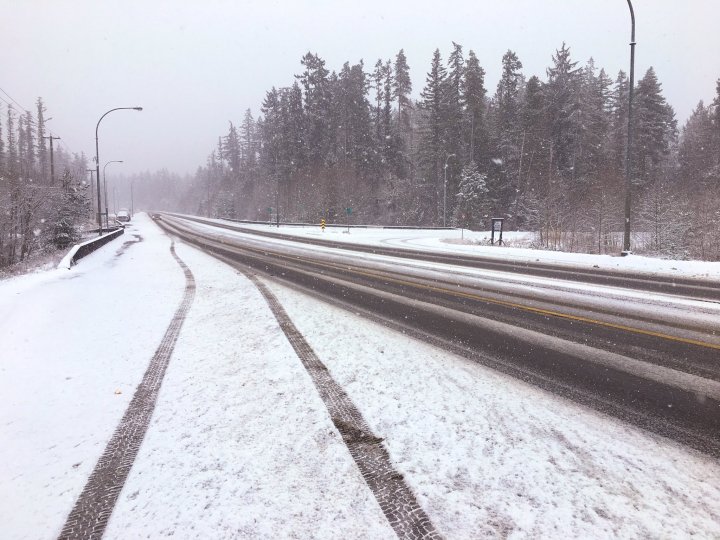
628, 155
445, 191
107, 224
97, 161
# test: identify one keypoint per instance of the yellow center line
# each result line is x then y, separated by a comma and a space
548, 312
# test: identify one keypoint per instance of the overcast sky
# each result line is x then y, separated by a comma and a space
195, 65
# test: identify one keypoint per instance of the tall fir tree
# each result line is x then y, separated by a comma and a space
655, 130
42, 149
507, 139
432, 142
563, 91
315, 83
473, 96
473, 204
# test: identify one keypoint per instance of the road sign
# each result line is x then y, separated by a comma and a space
497, 228
322, 224
348, 210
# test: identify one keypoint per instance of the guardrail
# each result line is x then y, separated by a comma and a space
79, 251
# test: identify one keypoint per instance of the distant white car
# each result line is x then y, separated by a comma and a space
123, 215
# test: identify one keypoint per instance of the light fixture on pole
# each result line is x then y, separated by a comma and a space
628, 156
107, 224
97, 160
445, 190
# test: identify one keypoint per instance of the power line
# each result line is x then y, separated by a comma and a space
50, 131
13, 100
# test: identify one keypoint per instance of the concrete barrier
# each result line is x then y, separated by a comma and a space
79, 251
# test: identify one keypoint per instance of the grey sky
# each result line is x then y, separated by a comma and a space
195, 65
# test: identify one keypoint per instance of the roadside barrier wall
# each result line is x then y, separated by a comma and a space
83, 249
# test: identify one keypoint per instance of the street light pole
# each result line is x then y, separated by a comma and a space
445, 191
628, 155
107, 224
97, 161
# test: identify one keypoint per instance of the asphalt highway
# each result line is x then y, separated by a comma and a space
692, 287
650, 358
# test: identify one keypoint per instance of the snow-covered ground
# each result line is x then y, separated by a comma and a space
476, 243
75, 344
240, 444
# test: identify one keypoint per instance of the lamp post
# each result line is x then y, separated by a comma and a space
628, 155
97, 161
105, 186
445, 191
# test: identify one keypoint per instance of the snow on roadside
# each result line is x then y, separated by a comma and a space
488, 455
240, 443
449, 241
71, 339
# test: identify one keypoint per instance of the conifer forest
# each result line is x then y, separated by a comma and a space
544, 151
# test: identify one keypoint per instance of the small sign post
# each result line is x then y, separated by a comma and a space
348, 211
322, 224
269, 210
497, 228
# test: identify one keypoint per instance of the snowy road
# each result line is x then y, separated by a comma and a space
241, 444
646, 357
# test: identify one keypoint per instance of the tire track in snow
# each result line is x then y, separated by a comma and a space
395, 498
90, 515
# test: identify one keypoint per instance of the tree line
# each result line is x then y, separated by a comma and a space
38, 213
547, 154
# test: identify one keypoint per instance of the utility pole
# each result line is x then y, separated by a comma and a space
52, 160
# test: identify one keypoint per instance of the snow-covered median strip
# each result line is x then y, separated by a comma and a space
475, 243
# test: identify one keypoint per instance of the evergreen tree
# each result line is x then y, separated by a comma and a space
29, 150
454, 118
715, 114
296, 130
432, 142
70, 210
473, 204
655, 129
473, 95
535, 153
402, 89
619, 114
42, 150
700, 175
507, 139
563, 92
390, 145
697, 156
356, 127
232, 152
315, 84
